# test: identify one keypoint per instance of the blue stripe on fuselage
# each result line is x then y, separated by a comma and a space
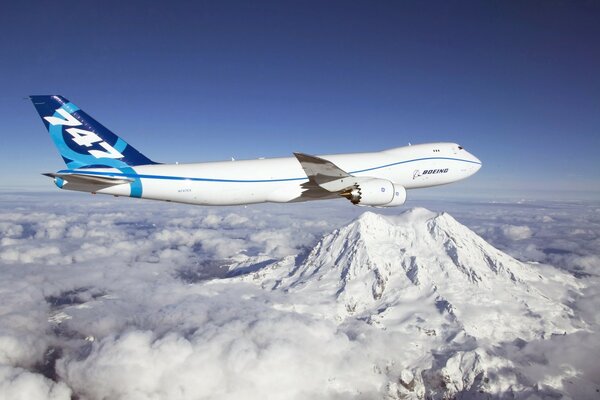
182, 178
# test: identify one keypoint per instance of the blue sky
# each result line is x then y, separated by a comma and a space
516, 83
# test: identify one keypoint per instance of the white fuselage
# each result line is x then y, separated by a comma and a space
280, 180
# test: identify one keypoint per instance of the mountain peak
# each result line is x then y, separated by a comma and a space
419, 214
439, 290
370, 217
414, 216
377, 262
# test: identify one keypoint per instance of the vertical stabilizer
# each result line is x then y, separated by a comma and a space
81, 140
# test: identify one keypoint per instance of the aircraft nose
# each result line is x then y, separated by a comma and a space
476, 163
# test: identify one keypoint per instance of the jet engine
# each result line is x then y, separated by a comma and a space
376, 193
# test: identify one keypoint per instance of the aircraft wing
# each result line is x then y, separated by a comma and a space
78, 178
325, 174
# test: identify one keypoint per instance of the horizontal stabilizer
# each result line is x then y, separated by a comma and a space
78, 178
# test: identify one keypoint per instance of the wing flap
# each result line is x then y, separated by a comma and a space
325, 174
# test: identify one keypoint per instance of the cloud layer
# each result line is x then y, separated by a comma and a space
110, 298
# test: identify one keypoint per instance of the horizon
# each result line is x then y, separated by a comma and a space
512, 83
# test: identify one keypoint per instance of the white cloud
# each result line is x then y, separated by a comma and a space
30, 253
112, 267
19, 384
514, 232
268, 355
9, 229
235, 220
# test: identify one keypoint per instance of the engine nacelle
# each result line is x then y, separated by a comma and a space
399, 197
377, 193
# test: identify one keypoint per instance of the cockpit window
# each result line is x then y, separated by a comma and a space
460, 148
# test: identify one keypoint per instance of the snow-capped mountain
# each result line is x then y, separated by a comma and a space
376, 264
426, 278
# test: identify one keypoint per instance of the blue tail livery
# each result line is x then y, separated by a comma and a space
81, 140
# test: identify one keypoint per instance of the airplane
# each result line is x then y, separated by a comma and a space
99, 161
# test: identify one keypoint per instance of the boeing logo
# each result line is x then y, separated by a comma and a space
417, 173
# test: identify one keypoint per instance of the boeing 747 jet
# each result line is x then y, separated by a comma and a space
99, 161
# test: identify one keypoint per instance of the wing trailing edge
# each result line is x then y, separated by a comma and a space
325, 174
78, 178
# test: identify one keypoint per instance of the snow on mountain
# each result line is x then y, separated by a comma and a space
377, 262
452, 298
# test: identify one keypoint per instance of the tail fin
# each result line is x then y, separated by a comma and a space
81, 140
